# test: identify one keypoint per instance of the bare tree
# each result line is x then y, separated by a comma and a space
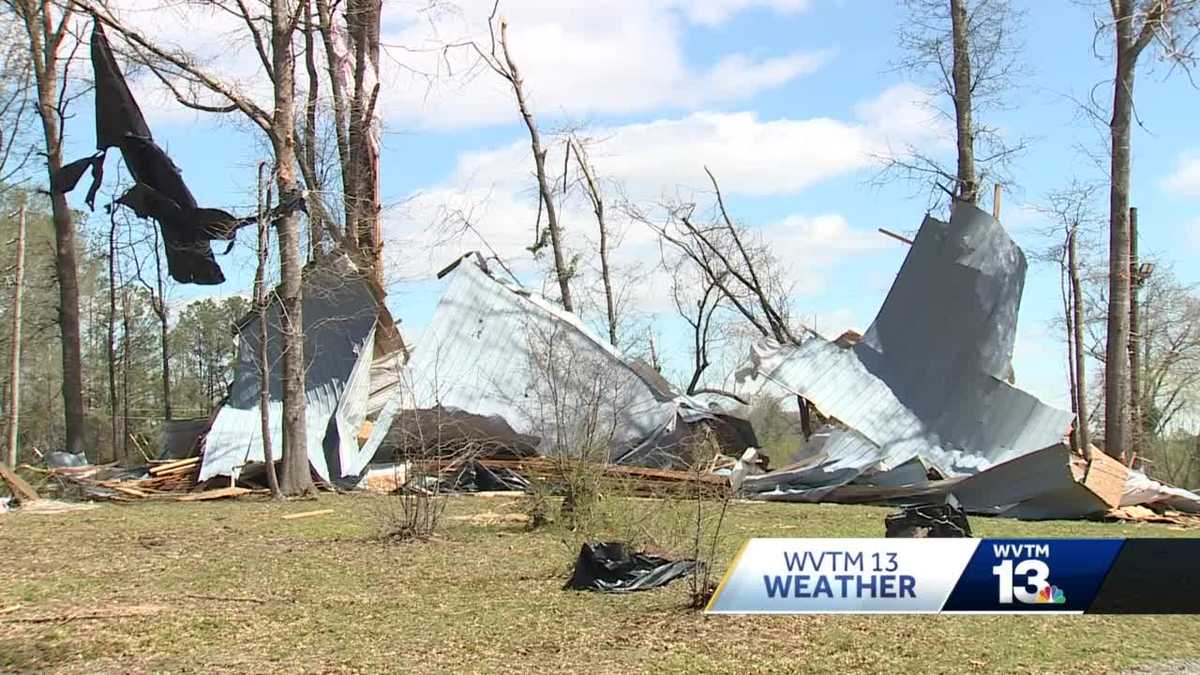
970, 51
597, 201
502, 64
48, 31
728, 256
1133, 25
16, 103
1170, 345
1073, 216
697, 299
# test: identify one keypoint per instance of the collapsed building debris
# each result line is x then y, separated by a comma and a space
496, 355
928, 391
347, 332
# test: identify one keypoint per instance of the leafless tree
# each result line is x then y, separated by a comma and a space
1170, 344
970, 51
1133, 26
729, 256
16, 101
592, 189
498, 57
47, 29
1073, 218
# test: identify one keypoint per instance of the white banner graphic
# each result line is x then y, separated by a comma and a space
791, 576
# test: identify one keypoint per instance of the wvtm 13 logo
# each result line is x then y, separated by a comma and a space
1023, 575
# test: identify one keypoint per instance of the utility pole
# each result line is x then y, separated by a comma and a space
14, 377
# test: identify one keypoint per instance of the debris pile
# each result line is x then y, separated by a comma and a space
161, 480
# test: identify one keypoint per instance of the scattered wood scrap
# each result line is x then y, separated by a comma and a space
306, 514
207, 495
640, 480
492, 518
109, 482
1142, 514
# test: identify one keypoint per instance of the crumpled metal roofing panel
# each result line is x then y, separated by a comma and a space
927, 380
339, 312
488, 351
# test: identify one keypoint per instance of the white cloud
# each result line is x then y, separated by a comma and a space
577, 58
1185, 179
751, 157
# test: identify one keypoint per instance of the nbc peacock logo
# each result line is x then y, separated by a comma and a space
1051, 595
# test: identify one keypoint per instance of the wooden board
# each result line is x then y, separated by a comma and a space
215, 494
23, 491
1106, 478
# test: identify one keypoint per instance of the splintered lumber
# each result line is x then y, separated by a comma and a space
23, 491
176, 467
306, 514
639, 479
215, 494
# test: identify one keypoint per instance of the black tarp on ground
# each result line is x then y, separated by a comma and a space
611, 568
159, 191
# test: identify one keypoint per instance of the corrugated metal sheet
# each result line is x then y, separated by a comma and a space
928, 379
339, 314
495, 349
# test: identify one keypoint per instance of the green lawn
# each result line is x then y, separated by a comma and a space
230, 587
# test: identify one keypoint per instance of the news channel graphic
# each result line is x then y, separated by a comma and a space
997, 576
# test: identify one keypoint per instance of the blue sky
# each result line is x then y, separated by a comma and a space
785, 100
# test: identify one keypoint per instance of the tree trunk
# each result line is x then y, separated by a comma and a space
1116, 367
968, 187
43, 47
14, 377
261, 304
164, 328
126, 329
111, 347
539, 162
296, 479
1079, 353
1135, 356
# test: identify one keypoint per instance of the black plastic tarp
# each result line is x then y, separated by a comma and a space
610, 567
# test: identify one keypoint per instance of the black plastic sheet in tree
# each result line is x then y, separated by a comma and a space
611, 568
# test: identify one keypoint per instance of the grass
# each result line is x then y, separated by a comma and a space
230, 587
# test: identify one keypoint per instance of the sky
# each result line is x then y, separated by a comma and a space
790, 103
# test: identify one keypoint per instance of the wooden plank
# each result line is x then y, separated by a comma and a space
214, 494
23, 491
1106, 478
306, 514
